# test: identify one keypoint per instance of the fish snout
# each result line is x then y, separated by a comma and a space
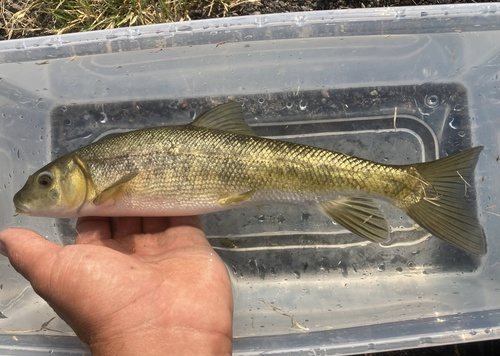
20, 207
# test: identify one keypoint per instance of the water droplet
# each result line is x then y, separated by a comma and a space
473, 332
262, 271
104, 118
488, 330
411, 265
261, 101
192, 114
297, 274
431, 101
461, 133
452, 124
185, 28
133, 32
252, 263
261, 218
55, 41
21, 45
280, 218
260, 21
289, 105
343, 268
399, 269
300, 20
381, 267
302, 105
400, 13
324, 264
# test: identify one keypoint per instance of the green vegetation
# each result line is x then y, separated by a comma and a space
23, 18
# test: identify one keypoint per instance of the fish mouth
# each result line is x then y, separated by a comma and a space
21, 209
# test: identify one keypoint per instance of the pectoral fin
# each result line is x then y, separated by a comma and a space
236, 198
115, 189
359, 215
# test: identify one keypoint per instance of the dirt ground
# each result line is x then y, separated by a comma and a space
25, 18
273, 6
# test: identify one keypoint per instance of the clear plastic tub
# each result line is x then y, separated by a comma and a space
333, 79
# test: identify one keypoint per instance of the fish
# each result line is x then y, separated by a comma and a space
217, 162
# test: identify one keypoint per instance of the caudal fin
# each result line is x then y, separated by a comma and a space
445, 210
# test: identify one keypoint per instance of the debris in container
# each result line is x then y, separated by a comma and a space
295, 324
395, 117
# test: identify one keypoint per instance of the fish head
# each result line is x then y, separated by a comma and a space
57, 190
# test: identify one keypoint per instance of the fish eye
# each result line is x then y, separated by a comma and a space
45, 179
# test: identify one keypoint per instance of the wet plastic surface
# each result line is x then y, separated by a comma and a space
331, 79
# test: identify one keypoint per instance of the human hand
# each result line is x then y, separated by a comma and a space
132, 286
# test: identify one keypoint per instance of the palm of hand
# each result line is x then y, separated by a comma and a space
131, 276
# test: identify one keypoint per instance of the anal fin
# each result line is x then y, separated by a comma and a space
359, 215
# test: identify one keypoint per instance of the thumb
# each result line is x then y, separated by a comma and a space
29, 253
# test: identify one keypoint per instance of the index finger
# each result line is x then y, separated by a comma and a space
91, 229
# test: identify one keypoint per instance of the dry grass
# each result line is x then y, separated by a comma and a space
23, 18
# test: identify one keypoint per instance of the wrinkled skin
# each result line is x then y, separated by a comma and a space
132, 286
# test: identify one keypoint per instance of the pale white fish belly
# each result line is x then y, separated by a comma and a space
185, 206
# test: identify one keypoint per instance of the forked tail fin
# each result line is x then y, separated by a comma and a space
446, 211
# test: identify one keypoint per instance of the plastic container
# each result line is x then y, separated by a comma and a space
334, 79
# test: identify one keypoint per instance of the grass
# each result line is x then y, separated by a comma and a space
25, 18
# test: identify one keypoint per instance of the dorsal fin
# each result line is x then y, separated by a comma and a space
225, 117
